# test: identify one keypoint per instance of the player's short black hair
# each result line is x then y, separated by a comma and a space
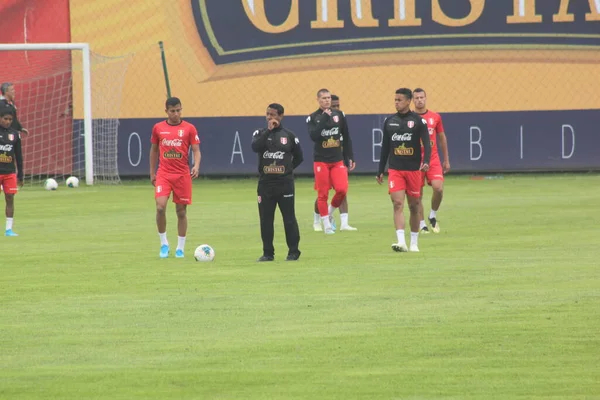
172, 102
321, 91
335, 97
419, 90
406, 92
277, 107
4, 87
6, 111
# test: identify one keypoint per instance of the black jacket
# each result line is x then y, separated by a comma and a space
403, 136
279, 153
331, 136
16, 125
11, 155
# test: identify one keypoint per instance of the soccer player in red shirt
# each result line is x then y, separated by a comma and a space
328, 129
437, 169
404, 134
11, 165
171, 141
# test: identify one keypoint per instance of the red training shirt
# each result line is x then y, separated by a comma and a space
174, 143
435, 126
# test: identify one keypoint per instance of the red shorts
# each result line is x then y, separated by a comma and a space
435, 172
410, 181
315, 185
180, 185
8, 183
331, 175
325, 165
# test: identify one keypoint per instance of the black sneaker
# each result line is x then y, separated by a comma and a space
266, 258
435, 227
424, 230
293, 256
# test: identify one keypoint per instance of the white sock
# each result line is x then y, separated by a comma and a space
400, 235
163, 238
317, 219
180, 242
331, 209
422, 224
344, 219
432, 214
414, 238
9, 222
326, 223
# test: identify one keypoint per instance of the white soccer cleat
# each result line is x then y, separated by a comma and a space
348, 228
435, 227
329, 231
400, 248
317, 227
414, 248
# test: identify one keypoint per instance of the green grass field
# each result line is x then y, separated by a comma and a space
503, 304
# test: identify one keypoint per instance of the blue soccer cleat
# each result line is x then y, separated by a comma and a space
9, 232
178, 253
164, 251
332, 222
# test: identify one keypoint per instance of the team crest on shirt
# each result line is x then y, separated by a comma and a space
11, 137
259, 199
336, 119
180, 132
411, 124
431, 121
283, 140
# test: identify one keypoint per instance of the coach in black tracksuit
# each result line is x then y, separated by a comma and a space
279, 153
7, 96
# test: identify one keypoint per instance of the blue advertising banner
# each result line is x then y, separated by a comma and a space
478, 142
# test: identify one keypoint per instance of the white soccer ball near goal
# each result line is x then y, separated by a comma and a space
72, 182
50, 184
204, 252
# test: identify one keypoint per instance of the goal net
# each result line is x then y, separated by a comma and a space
70, 105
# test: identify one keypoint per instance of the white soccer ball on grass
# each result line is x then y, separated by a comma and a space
204, 252
72, 182
50, 184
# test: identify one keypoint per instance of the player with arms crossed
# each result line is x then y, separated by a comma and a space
344, 225
329, 130
11, 165
171, 141
404, 133
435, 174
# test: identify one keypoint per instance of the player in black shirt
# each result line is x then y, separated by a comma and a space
344, 225
279, 153
332, 152
7, 99
11, 165
403, 135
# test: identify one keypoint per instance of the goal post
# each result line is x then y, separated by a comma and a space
87, 92
69, 98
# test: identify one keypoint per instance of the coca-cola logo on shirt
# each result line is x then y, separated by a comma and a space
277, 155
402, 137
172, 142
330, 132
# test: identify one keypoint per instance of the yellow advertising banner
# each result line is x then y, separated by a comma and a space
233, 57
